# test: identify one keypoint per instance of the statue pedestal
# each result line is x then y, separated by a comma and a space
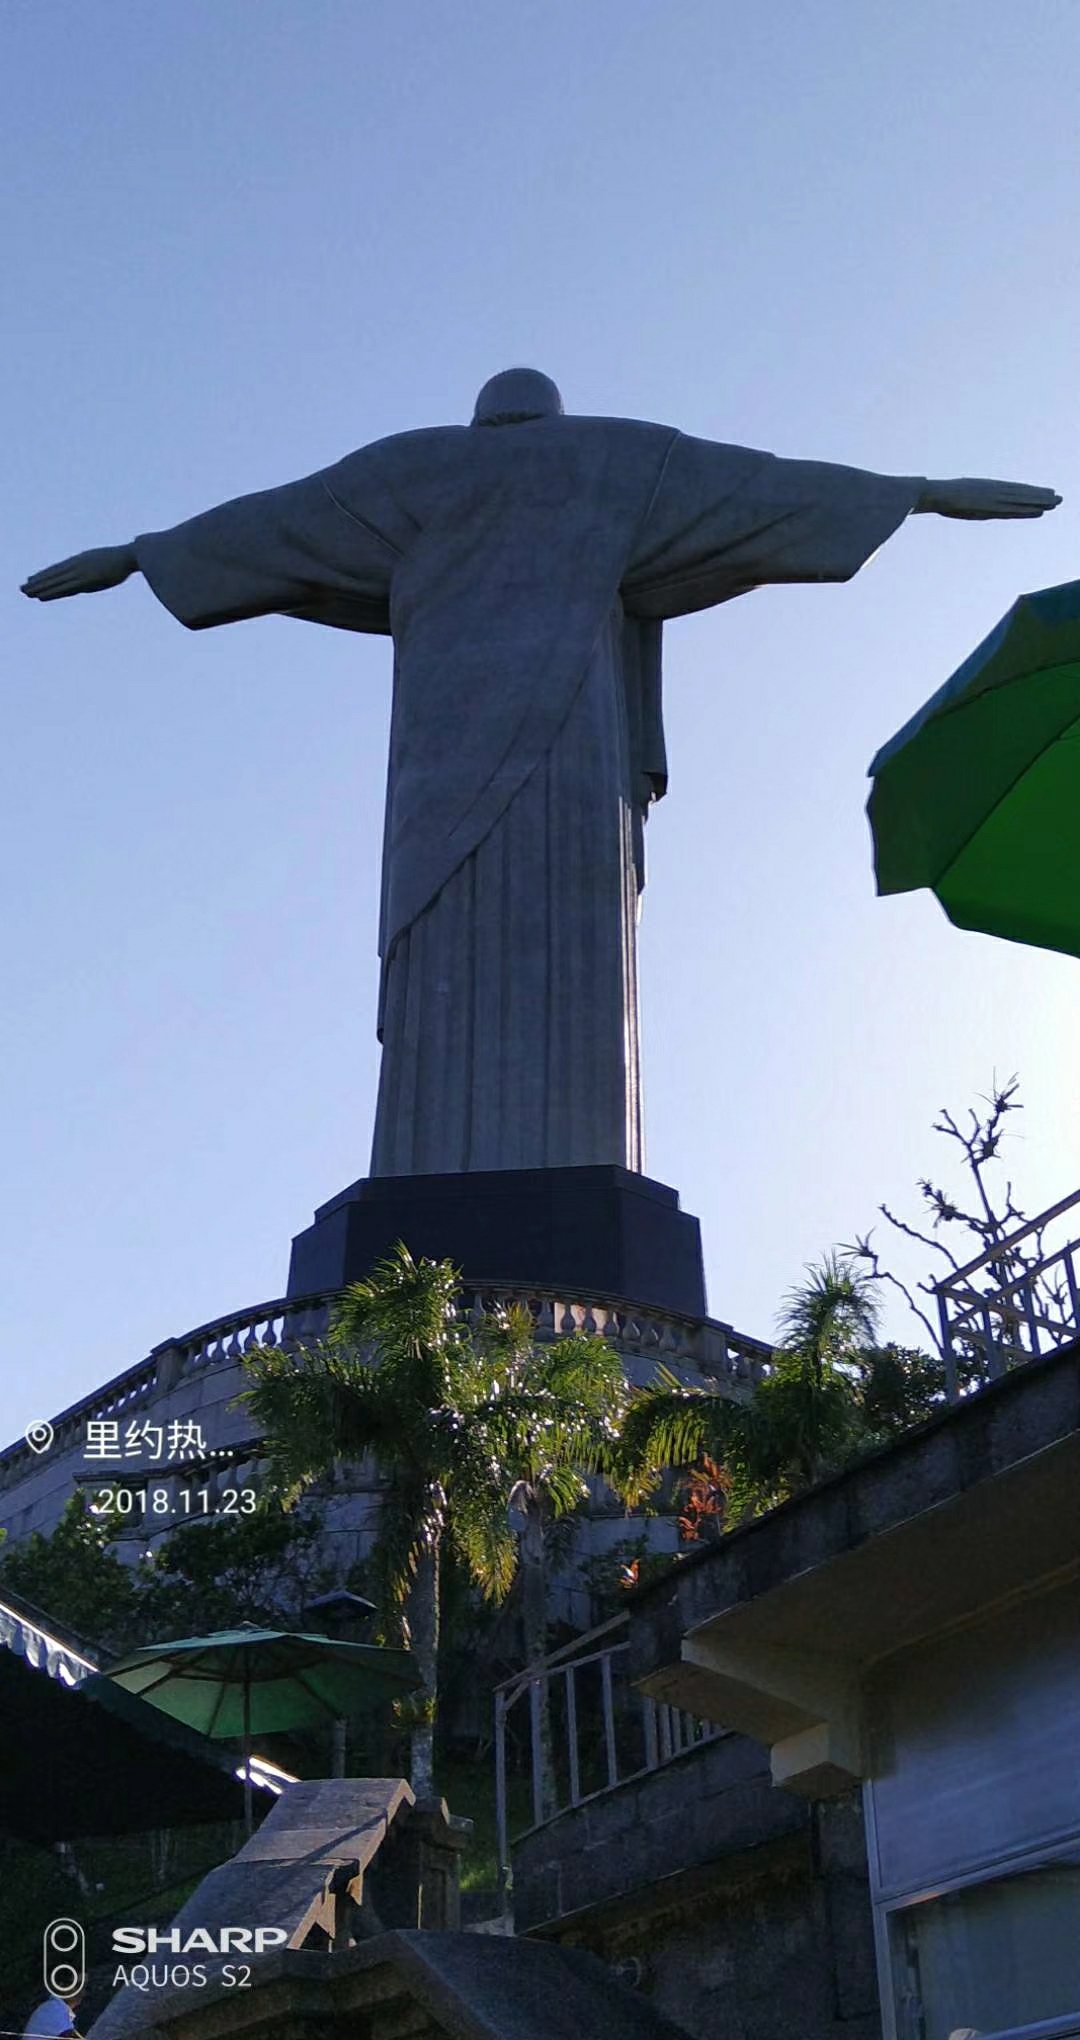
601, 1230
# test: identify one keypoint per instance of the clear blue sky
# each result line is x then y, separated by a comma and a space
242, 237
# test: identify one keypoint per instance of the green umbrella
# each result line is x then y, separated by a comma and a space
978, 796
248, 1681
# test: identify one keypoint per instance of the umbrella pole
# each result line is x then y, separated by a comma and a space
248, 1822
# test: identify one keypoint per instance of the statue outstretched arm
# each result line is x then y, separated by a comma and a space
305, 549
85, 573
725, 519
982, 499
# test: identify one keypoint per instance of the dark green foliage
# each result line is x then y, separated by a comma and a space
74, 1575
469, 1790
611, 1575
898, 1386
205, 1576
466, 1423
829, 1393
260, 1568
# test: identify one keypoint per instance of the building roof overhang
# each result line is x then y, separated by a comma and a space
774, 1631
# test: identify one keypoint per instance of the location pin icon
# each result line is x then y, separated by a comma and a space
39, 1437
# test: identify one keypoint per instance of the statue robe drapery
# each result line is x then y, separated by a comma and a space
524, 572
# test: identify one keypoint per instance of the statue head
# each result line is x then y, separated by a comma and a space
515, 396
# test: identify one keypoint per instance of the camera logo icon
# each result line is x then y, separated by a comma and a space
64, 1958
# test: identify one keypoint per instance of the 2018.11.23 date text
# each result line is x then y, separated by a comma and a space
186, 1502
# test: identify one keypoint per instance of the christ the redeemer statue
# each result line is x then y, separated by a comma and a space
524, 567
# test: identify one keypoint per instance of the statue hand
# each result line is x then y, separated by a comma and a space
85, 573
980, 499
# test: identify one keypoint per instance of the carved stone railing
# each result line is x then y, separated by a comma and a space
218, 1344
702, 1346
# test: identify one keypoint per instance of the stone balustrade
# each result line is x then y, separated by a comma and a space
700, 1346
216, 1345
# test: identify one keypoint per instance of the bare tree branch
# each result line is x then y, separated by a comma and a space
863, 1251
1006, 1265
938, 1246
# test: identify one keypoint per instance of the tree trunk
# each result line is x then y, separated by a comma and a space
424, 1642
534, 1617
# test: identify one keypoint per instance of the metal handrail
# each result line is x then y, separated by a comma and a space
1032, 1225
1010, 1322
667, 1733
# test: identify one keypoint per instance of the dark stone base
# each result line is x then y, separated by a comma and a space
601, 1231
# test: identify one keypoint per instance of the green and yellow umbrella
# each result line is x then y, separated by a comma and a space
978, 796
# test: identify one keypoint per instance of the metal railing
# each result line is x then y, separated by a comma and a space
33, 1636
588, 1731
1012, 1304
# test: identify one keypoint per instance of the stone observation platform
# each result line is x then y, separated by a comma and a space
195, 1378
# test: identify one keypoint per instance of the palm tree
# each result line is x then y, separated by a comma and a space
803, 1420
553, 1420
460, 1420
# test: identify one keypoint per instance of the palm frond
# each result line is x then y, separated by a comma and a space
561, 1489
668, 1425
321, 1405
584, 1369
832, 1312
404, 1312
482, 1538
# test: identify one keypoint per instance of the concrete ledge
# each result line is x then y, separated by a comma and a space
712, 1802
822, 1762
419, 1983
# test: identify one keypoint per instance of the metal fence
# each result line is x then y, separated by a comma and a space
1016, 1302
579, 1729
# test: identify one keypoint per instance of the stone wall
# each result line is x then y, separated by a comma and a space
739, 1910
